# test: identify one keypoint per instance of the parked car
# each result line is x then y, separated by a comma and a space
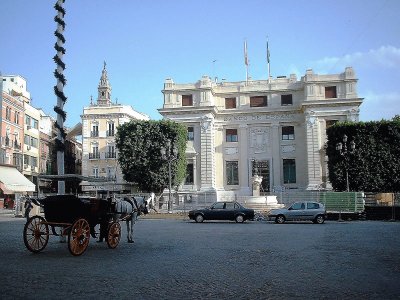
300, 211
232, 211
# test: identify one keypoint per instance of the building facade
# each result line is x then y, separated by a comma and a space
100, 121
273, 128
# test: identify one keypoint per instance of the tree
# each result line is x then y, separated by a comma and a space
139, 145
374, 166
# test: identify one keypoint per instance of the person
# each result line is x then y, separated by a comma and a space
28, 207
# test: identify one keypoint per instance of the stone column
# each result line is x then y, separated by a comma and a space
313, 155
276, 156
243, 160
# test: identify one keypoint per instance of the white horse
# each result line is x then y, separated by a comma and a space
128, 209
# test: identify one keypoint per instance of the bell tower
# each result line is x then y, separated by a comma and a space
104, 89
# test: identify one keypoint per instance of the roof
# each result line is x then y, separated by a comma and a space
11, 181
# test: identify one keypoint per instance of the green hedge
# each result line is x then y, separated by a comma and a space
374, 166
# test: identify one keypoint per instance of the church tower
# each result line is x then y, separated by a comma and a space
104, 89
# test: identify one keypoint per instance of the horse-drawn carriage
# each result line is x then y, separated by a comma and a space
77, 218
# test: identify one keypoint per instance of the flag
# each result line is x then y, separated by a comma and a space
267, 53
246, 61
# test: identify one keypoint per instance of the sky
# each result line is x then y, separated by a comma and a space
145, 42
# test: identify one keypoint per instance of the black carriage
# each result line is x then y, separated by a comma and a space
77, 218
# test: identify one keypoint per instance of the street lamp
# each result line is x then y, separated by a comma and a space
344, 151
170, 155
205, 123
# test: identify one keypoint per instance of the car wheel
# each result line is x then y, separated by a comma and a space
199, 219
239, 219
319, 219
280, 219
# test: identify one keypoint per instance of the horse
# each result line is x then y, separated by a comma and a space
128, 209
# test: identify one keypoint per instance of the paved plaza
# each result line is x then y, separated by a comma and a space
178, 259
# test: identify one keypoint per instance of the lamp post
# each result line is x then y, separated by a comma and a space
344, 150
205, 123
169, 155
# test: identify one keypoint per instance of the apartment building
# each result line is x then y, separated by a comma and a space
100, 121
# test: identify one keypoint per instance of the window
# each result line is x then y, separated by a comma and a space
312, 205
298, 206
35, 124
95, 153
258, 101
219, 205
27, 140
110, 131
230, 205
330, 123
95, 172
230, 103
8, 113
187, 100
288, 133
190, 134
34, 142
231, 135
189, 174
232, 173
330, 92
289, 171
286, 100
26, 159
28, 120
110, 151
95, 131
33, 162
16, 117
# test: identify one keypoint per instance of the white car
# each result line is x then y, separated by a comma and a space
300, 211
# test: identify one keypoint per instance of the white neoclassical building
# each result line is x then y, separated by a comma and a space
274, 128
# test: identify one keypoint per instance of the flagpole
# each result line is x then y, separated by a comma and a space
246, 61
268, 61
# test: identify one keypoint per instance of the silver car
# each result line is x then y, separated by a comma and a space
300, 211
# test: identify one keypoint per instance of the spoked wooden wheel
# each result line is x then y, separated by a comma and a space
36, 234
113, 235
78, 237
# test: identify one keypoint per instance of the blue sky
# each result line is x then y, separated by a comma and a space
145, 42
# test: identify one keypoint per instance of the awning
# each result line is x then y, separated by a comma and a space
11, 181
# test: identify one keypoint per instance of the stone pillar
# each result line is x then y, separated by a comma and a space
243, 160
276, 156
313, 155
207, 172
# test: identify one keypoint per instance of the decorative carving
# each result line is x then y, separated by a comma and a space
259, 139
231, 150
288, 148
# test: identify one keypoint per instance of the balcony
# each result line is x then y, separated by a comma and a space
94, 134
95, 155
110, 133
111, 155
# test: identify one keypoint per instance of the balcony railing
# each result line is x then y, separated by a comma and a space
17, 146
94, 155
110, 133
111, 154
94, 134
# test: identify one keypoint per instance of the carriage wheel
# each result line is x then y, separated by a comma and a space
78, 237
113, 235
36, 234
